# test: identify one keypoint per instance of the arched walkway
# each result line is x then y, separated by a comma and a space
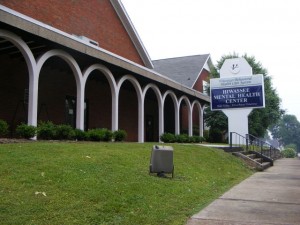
56, 79
185, 116
100, 91
59, 100
153, 113
32, 74
131, 110
197, 119
171, 113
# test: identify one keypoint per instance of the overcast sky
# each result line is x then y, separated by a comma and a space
269, 30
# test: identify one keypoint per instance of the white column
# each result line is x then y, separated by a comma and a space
161, 121
80, 107
190, 120
32, 99
115, 112
141, 121
177, 122
201, 122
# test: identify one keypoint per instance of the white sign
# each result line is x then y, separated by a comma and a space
237, 92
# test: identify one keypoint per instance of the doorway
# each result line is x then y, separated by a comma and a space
149, 128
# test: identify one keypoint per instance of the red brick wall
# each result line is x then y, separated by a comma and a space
128, 111
169, 116
98, 94
195, 114
95, 19
151, 110
184, 119
204, 76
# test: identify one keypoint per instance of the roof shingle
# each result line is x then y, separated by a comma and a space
184, 70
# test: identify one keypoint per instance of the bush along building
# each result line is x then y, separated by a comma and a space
82, 63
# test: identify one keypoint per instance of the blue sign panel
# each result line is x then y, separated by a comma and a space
237, 97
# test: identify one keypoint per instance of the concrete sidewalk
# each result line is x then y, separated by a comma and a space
265, 198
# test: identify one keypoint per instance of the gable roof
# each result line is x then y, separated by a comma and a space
127, 23
185, 70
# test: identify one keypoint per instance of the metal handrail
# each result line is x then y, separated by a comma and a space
239, 139
252, 143
264, 146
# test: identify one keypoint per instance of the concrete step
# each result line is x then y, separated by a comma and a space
251, 156
266, 165
259, 160
252, 161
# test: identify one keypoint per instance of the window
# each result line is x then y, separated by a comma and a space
70, 106
205, 86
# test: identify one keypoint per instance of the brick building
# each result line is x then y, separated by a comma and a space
83, 63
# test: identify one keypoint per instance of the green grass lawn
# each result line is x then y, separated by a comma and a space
108, 183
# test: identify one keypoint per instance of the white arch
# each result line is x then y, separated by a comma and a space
197, 103
204, 106
160, 105
139, 92
176, 108
78, 77
31, 64
187, 102
155, 89
113, 87
66, 57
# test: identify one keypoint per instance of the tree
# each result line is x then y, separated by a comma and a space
287, 131
259, 119
218, 123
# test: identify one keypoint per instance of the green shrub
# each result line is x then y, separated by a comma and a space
195, 139
202, 139
64, 132
93, 135
80, 135
100, 134
3, 128
206, 135
168, 138
293, 146
289, 153
215, 135
106, 135
196, 130
192, 139
182, 138
46, 130
26, 131
119, 135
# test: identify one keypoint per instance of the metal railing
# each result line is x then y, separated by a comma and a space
237, 140
252, 143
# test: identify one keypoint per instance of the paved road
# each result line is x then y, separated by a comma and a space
265, 198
